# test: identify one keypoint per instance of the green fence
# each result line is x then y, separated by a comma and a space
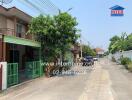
34, 69
12, 74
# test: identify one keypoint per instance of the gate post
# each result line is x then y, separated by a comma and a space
3, 65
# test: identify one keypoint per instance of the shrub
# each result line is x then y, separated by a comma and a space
125, 61
130, 66
113, 59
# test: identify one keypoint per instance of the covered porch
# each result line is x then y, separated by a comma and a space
23, 59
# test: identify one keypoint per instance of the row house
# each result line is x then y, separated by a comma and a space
19, 51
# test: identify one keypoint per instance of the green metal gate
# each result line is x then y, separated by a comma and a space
12, 74
34, 69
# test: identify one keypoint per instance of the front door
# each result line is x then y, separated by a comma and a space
14, 56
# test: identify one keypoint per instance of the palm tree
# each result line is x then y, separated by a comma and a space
122, 42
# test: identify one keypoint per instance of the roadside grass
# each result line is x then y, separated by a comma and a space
127, 62
129, 66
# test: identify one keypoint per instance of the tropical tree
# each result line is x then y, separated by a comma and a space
56, 34
87, 51
66, 30
122, 43
113, 47
129, 42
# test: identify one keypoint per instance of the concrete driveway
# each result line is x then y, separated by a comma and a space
104, 81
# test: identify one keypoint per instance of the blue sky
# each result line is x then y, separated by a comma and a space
94, 18
95, 21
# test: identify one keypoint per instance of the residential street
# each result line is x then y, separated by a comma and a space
54, 50
105, 81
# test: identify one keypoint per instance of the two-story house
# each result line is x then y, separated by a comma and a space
19, 50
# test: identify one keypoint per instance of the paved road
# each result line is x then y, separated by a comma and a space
105, 81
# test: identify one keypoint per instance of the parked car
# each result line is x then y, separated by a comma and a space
88, 61
95, 59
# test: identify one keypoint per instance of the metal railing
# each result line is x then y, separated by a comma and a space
34, 69
11, 32
7, 31
12, 74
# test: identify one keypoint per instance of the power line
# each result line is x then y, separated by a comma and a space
27, 4
34, 6
50, 5
47, 6
42, 6
53, 5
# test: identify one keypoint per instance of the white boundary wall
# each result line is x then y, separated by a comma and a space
4, 75
118, 55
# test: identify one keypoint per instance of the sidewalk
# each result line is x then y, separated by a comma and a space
26, 87
67, 87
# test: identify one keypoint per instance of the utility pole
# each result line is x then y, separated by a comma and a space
81, 47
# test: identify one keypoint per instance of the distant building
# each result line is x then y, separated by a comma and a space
100, 52
117, 11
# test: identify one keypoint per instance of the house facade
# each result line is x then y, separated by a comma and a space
99, 52
19, 52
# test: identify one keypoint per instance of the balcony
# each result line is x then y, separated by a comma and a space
11, 32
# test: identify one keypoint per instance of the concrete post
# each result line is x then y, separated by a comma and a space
4, 75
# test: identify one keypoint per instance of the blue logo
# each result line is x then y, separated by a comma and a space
117, 11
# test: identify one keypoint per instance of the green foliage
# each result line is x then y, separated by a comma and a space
56, 33
125, 60
130, 66
129, 42
122, 43
113, 44
127, 63
106, 53
87, 51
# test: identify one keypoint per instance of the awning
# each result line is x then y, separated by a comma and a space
21, 41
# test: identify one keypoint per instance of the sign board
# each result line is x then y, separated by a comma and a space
117, 11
